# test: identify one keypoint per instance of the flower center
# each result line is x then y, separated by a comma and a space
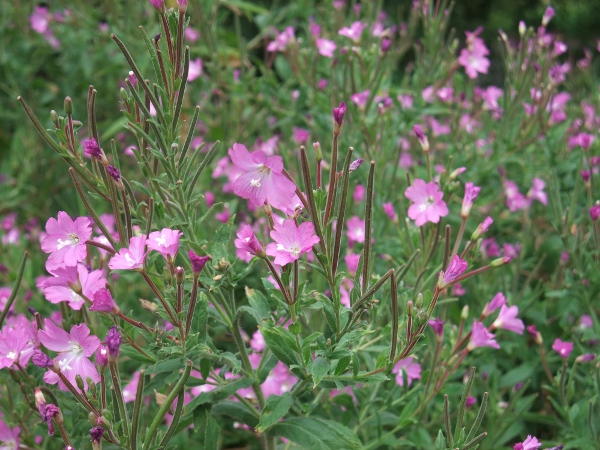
73, 240
255, 183
129, 259
162, 241
11, 355
295, 249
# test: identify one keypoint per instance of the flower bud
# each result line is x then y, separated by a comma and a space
113, 344
355, 164
500, 261
197, 262
179, 274
79, 382
54, 117
482, 228
586, 357
419, 301
409, 309
40, 359
68, 106
385, 45
338, 118
132, 78
96, 434
318, 151
595, 212
422, 138
123, 94
464, 314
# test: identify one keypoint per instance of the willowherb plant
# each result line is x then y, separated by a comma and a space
356, 343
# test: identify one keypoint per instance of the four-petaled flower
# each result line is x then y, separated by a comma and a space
131, 258
507, 319
65, 240
412, 369
563, 348
428, 205
291, 241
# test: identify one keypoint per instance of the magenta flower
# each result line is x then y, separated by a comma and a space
73, 349
359, 193
473, 58
166, 242
131, 258
515, 201
428, 205
498, 301
291, 241
65, 240
360, 98
301, 135
537, 191
195, 69
490, 98
455, 269
39, 20
68, 283
9, 437
481, 337
471, 193
507, 320
104, 302
354, 31
438, 326
130, 390
352, 261
563, 348
594, 213
388, 209
531, 443
282, 40
482, 228
257, 343
262, 179
356, 230
412, 369
247, 244
326, 47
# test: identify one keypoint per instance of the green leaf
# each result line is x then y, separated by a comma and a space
319, 370
136, 355
317, 434
208, 427
200, 317
170, 365
440, 442
236, 411
259, 303
221, 393
219, 248
275, 409
282, 344
342, 365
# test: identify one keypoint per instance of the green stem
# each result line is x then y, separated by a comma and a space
114, 373
15, 288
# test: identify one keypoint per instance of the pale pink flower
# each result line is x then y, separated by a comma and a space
359, 193
360, 98
131, 258
345, 289
191, 34
389, 210
352, 260
514, 199
537, 191
507, 319
355, 230
291, 241
130, 389
195, 69
262, 179
257, 343
5, 293
65, 240
247, 244
428, 205
301, 135
490, 98
354, 31
473, 58
278, 382
412, 369
282, 40
39, 20
583, 140
16, 345
531, 443
68, 283
166, 242
445, 94
428, 94
73, 349
326, 47
481, 337
563, 348
405, 100
9, 437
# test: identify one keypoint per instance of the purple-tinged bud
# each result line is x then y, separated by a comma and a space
355, 164
338, 117
585, 175
179, 274
51, 412
158, 4
182, 5
132, 78
40, 359
548, 15
91, 147
536, 67
517, 387
421, 137
157, 38
537, 336
114, 173
96, 434
102, 358
595, 212
438, 326
385, 45
113, 343
586, 357
471, 193
522, 28
482, 228
318, 151
500, 261
455, 269
104, 302
198, 262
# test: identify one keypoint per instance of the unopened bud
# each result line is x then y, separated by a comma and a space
464, 314
419, 301
91, 385
318, 151
123, 94
409, 309
338, 118
79, 382
422, 138
500, 261
355, 164
179, 274
103, 422
522, 28
54, 117
68, 106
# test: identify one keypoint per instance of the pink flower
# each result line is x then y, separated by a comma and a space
326, 47
262, 179
389, 210
354, 31
471, 193
282, 40
291, 241
301, 135
104, 302
455, 269
130, 389
73, 349
257, 343
482, 228
531, 443
69, 283
563, 348
9, 437
412, 369
247, 244
40, 19
224, 215
537, 191
360, 98
490, 98
583, 140
16, 344
191, 34
356, 230
352, 260
445, 94
428, 205
438, 326
473, 58
514, 199
131, 258
594, 213
405, 100
507, 320
195, 69
498, 301
359, 193
166, 242
481, 337
65, 240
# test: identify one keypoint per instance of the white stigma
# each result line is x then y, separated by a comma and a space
162, 241
11, 355
129, 259
255, 183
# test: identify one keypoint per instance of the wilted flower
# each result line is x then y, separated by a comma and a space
455, 269
481, 337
